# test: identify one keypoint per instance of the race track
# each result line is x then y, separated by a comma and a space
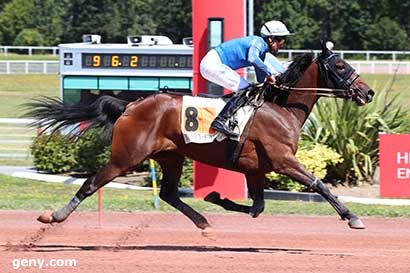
168, 242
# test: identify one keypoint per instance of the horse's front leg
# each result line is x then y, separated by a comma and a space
256, 183
291, 167
171, 165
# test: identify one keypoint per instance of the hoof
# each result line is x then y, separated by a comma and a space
46, 218
356, 223
253, 215
255, 211
207, 232
213, 197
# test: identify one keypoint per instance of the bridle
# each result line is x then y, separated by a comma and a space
340, 86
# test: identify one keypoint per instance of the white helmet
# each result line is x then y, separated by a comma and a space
274, 28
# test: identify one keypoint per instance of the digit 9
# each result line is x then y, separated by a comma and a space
96, 60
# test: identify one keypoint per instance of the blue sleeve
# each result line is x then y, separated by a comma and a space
260, 75
256, 61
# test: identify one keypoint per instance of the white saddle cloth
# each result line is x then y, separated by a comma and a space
198, 113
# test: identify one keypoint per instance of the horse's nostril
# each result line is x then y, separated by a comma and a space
369, 96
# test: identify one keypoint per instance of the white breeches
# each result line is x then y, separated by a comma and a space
214, 70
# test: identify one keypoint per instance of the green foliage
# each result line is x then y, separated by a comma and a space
186, 176
113, 20
53, 154
315, 157
353, 132
57, 153
29, 37
46, 19
15, 17
187, 172
175, 19
372, 24
350, 24
386, 34
92, 152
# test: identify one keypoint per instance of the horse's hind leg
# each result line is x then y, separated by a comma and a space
171, 165
255, 188
122, 159
91, 185
215, 198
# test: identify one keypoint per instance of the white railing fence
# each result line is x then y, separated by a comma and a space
392, 55
369, 55
16, 138
29, 50
29, 67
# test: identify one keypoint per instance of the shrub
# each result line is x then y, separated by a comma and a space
315, 157
92, 151
57, 153
53, 153
29, 37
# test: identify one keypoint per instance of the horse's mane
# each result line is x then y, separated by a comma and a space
298, 65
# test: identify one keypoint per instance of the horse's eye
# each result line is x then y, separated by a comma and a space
340, 66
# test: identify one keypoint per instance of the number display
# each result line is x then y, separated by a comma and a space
198, 119
136, 61
191, 123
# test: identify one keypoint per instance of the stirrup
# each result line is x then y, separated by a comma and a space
221, 127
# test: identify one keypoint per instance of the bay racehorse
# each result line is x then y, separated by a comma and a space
150, 128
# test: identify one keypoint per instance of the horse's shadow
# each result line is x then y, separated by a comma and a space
187, 248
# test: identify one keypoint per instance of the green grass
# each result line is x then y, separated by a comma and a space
26, 57
399, 84
18, 89
24, 194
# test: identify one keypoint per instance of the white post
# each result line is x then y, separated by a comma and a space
250, 17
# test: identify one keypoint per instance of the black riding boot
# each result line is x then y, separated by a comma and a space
220, 123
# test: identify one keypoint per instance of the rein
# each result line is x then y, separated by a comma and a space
325, 70
325, 92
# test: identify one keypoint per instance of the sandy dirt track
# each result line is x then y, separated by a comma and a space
168, 242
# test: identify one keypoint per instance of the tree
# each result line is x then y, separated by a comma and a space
14, 18
46, 18
295, 15
29, 37
113, 20
3, 3
385, 34
173, 18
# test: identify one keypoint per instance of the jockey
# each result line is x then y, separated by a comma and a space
220, 63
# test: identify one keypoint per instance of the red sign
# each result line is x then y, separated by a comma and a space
232, 15
394, 157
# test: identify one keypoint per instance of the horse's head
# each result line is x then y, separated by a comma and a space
338, 74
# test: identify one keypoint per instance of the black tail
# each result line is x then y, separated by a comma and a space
52, 114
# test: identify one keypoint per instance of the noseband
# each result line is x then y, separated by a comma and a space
340, 83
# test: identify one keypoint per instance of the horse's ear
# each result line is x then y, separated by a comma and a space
323, 45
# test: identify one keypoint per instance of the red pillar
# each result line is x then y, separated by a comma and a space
233, 14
